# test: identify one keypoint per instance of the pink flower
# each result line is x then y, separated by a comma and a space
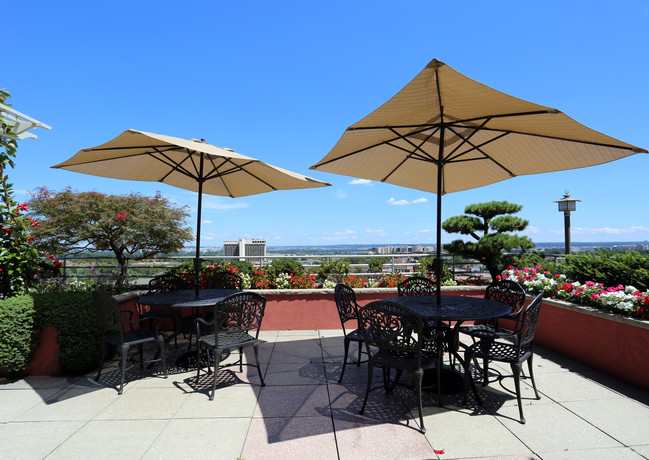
121, 216
590, 284
498, 277
52, 256
594, 296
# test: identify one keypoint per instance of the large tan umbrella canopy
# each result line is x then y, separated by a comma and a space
444, 132
189, 164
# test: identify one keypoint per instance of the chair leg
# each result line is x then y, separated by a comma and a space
360, 352
161, 344
124, 352
419, 375
370, 370
198, 360
344, 360
531, 371
241, 359
256, 349
217, 362
485, 372
440, 363
516, 371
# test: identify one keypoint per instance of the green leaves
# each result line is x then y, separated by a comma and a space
490, 225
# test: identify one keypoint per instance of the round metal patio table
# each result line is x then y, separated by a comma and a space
455, 309
187, 299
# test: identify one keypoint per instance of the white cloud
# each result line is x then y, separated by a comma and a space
340, 194
208, 222
394, 202
376, 231
360, 182
219, 205
532, 230
610, 231
345, 232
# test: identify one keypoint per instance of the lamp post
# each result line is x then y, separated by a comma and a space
566, 205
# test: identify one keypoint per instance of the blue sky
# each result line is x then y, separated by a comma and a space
280, 81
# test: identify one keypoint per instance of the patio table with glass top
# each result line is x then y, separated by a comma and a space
454, 309
187, 299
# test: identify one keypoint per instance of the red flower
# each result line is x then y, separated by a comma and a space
121, 216
22, 207
57, 264
51, 256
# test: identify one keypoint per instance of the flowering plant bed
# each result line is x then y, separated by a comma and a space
623, 300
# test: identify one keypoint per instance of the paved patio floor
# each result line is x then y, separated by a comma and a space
303, 413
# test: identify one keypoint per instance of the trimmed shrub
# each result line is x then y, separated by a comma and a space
18, 337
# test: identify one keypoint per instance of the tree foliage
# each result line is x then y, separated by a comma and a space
489, 224
19, 260
132, 225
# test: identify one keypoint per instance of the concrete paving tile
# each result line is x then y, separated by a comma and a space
73, 404
126, 439
200, 438
353, 374
553, 428
357, 440
642, 450
234, 401
296, 437
34, 440
461, 435
623, 419
39, 382
295, 374
14, 403
296, 401
382, 407
617, 453
568, 386
299, 334
144, 403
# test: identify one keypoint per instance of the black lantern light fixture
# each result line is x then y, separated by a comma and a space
566, 205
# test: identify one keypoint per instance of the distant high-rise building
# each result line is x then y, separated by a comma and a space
245, 249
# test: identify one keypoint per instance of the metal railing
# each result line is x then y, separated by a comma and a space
94, 266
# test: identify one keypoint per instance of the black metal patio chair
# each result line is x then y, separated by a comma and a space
510, 293
395, 338
111, 321
233, 319
489, 348
348, 312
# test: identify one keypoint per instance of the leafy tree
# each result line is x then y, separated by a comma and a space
335, 270
427, 267
134, 225
489, 224
19, 259
376, 264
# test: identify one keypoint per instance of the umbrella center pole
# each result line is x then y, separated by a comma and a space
197, 259
438, 259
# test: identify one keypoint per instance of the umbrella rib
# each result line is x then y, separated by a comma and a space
175, 166
458, 158
424, 128
236, 168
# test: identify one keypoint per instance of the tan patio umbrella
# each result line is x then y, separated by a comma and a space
444, 132
189, 164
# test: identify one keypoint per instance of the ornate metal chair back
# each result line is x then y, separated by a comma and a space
529, 321
241, 312
416, 285
108, 314
167, 282
345, 303
508, 292
390, 326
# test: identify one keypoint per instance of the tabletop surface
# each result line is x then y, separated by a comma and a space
186, 298
453, 307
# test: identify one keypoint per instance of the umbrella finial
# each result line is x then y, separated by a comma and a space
435, 64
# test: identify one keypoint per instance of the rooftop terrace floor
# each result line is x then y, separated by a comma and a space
303, 412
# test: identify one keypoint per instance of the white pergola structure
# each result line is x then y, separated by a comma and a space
20, 124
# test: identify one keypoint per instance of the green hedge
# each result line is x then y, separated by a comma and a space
609, 268
72, 315
18, 336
